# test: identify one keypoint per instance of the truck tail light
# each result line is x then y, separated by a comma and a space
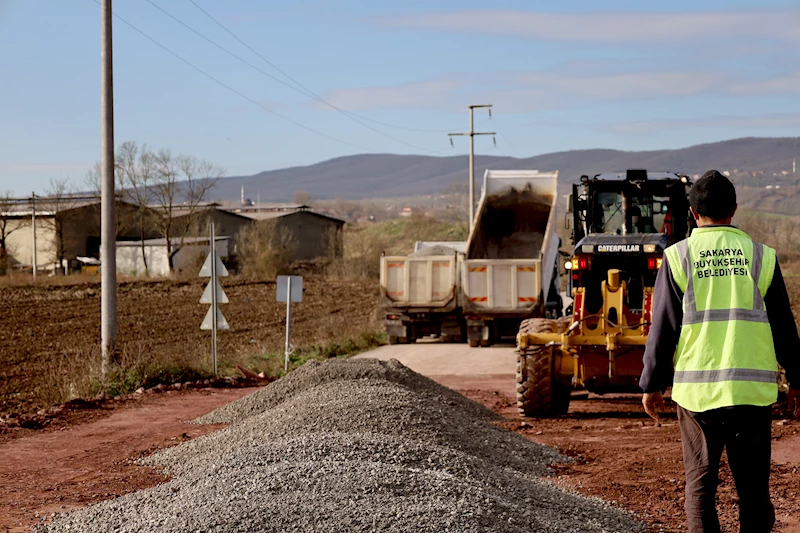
392, 317
580, 263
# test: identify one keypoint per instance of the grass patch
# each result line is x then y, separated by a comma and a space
78, 374
271, 364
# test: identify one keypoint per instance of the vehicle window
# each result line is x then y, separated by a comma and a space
610, 206
660, 217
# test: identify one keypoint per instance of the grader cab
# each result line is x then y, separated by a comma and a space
621, 224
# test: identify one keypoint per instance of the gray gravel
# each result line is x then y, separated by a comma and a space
365, 406
344, 455
316, 373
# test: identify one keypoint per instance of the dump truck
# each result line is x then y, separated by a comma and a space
420, 293
621, 224
510, 269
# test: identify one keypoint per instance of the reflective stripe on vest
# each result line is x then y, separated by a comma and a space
725, 355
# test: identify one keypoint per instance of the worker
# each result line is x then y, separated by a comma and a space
721, 325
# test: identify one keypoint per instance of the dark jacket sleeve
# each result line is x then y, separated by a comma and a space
784, 328
664, 332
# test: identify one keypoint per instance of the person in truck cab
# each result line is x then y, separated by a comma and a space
721, 325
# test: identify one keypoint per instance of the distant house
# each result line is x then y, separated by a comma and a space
317, 235
189, 257
226, 222
66, 228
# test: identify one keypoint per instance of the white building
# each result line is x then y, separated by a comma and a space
190, 255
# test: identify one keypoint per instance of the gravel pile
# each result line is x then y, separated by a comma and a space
363, 453
364, 406
315, 373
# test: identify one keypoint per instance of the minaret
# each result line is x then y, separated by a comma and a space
242, 195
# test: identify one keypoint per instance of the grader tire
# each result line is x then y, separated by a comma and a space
540, 392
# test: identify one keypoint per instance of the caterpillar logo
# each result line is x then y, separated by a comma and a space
619, 248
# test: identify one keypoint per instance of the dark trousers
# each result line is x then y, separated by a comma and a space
745, 431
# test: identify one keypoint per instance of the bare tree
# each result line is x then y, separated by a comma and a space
59, 202
9, 223
302, 197
179, 187
135, 168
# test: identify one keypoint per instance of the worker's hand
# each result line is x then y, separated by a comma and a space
794, 402
652, 401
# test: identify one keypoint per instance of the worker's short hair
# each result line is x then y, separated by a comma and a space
713, 196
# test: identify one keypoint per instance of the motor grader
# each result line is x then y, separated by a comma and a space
621, 224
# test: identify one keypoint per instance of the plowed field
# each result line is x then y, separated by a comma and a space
46, 329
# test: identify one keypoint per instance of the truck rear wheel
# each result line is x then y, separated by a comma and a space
540, 391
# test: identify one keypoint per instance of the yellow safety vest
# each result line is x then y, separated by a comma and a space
725, 353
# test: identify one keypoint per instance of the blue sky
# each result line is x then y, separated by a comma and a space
561, 76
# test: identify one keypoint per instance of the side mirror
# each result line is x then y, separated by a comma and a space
567, 221
569, 203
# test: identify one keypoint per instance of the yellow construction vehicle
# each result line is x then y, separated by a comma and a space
621, 224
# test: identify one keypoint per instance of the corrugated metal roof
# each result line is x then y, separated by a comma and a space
175, 241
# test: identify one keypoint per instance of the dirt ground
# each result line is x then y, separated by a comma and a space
88, 455
620, 455
44, 330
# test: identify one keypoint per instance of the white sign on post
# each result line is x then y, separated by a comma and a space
297, 288
208, 298
214, 295
290, 289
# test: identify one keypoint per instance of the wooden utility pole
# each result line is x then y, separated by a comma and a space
108, 225
471, 134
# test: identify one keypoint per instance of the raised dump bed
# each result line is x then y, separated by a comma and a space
420, 295
510, 263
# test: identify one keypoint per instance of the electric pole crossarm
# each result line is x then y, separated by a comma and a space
471, 134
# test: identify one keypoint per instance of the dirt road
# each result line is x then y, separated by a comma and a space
74, 466
620, 455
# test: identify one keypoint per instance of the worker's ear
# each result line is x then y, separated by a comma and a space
694, 215
735, 207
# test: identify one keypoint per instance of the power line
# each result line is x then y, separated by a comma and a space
305, 89
231, 89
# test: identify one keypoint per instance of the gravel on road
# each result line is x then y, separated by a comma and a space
348, 449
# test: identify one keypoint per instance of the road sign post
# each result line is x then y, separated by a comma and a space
289, 289
214, 295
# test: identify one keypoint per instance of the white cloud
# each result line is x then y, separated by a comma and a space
738, 122
432, 94
610, 27
570, 86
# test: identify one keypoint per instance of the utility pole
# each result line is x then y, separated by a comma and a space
108, 225
33, 233
471, 134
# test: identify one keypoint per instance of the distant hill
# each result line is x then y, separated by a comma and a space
387, 175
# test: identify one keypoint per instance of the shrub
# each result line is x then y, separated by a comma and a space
265, 250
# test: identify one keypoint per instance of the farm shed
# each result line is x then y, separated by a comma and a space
66, 229
197, 223
189, 257
316, 235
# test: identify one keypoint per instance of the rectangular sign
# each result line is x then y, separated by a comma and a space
297, 288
